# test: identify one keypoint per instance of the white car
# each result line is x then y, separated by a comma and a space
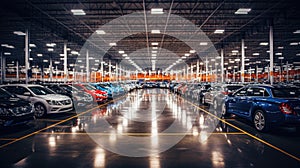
45, 101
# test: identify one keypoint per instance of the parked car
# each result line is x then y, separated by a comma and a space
98, 95
265, 105
14, 110
199, 93
216, 94
45, 101
79, 98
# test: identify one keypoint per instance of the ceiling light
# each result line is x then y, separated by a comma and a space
219, 31
100, 32
45, 61
56, 62
154, 55
255, 54
234, 51
112, 44
154, 43
187, 55
268, 51
62, 55
242, 11
97, 60
7, 46
281, 58
231, 62
278, 53
247, 59
30, 59
124, 55
7, 53
263, 43
258, 62
127, 58
121, 52
245, 47
154, 51
68, 49
39, 55
78, 12
32, 45
79, 60
184, 57
50, 44
280, 48
157, 11
298, 54
50, 49
294, 43
213, 60
192, 51
74, 53
154, 48
19, 33
203, 43
296, 32
226, 63
155, 31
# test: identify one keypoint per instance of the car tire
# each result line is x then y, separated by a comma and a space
39, 110
260, 121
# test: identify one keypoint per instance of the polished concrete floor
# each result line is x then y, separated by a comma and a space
146, 128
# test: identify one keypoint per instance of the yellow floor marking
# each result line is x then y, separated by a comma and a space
245, 132
136, 134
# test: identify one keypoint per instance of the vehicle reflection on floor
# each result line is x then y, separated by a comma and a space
136, 131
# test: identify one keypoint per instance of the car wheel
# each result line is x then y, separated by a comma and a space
39, 110
259, 121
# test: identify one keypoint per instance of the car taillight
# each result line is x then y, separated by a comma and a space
286, 109
225, 93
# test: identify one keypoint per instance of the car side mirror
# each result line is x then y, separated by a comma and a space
27, 94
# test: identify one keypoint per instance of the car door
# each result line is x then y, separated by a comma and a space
19, 91
254, 95
234, 101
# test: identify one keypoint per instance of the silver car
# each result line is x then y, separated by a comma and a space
45, 101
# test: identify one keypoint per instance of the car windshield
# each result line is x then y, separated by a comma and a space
286, 92
40, 90
4, 94
89, 87
232, 88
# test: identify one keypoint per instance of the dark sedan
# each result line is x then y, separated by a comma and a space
265, 105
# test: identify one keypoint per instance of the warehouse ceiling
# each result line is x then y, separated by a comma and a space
51, 21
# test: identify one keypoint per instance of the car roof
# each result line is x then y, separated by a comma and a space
24, 85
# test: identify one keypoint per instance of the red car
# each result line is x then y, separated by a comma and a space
98, 95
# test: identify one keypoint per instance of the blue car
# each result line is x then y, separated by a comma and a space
265, 105
103, 88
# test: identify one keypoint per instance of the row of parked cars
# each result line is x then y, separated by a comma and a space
266, 106
21, 103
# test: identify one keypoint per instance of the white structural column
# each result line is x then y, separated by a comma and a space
243, 62
271, 55
256, 73
109, 70
222, 65
101, 70
206, 70
287, 71
50, 69
26, 56
87, 70
17, 70
3, 70
197, 71
65, 63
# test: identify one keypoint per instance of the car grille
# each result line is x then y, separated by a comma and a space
65, 102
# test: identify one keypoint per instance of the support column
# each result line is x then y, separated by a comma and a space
65, 63
271, 55
50, 69
26, 56
17, 70
197, 71
222, 65
87, 66
101, 69
287, 71
256, 73
206, 70
243, 62
109, 70
3, 70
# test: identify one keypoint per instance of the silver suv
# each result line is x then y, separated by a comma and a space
45, 101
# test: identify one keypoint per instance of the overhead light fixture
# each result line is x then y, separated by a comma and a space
74, 53
156, 11
255, 54
298, 54
226, 63
79, 60
56, 62
154, 48
231, 62
155, 31
32, 45
50, 49
19, 33
245, 47
39, 55
203, 43
268, 51
280, 48
296, 32
112, 44
68, 49
237, 60
242, 11
258, 62
281, 58
78, 12
184, 57
45, 60
127, 58
154, 51
100, 32
154, 43
278, 53
294, 43
124, 55
30, 59
187, 55
51, 44
153, 55
7, 46
7, 53
213, 60
263, 43
121, 52
192, 51
234, 51
219, 31
62, 55
247, 59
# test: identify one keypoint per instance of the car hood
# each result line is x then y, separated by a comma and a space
13, 102
57, 97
